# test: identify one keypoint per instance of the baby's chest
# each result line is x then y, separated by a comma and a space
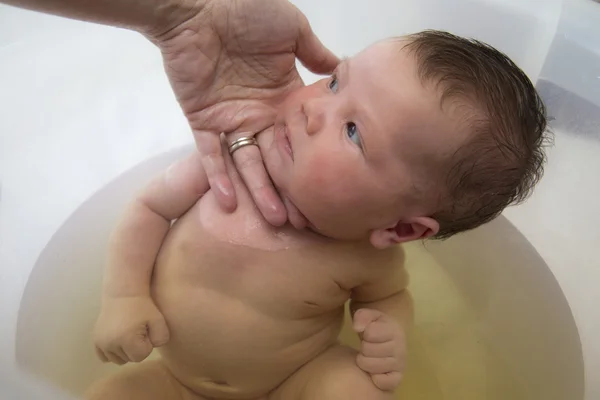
278, 284
245, 226
233, 255
288, 286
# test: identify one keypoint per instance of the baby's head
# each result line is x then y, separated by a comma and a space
422, 136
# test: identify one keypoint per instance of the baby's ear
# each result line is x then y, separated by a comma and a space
404, 231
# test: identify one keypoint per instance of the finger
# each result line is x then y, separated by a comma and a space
100, 355
312, 53
209, 147
119, 352
249, 164
158, 333
376, 365
387, 382
379, 332
137, 351
295, 217
385, 349
113, 358
363, 317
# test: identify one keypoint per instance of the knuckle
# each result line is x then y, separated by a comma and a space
139, 355
104, 342
360, 361
371, 335
366, 363
116, 343
247, 161
383, 382
207, 142
373, 327
371, 313
362, 313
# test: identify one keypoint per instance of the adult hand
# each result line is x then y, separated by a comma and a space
230, 65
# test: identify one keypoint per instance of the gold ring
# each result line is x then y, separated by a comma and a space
241, 142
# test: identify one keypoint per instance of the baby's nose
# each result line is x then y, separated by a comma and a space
315, 116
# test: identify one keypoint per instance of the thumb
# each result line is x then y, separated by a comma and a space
312, 53
296, 218
158, 333
363, 317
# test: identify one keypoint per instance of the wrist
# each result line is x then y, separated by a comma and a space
111, 298
171, 14
125, 290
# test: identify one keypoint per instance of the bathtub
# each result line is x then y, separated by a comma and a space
505, 311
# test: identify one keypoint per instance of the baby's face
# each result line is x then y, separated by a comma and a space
347, 149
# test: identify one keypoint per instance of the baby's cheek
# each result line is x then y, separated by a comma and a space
329, 175
323, 179
313, 172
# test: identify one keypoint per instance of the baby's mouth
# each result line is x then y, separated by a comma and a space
287, 142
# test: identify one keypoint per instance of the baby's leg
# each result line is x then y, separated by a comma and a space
333, 375
149, 380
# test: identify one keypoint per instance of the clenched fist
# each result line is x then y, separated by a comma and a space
128, 328
383, 347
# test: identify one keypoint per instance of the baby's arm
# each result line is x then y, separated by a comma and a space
382, 310
134, 244
386, 293
130, 325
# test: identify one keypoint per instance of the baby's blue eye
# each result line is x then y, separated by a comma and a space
352, 132
333, 84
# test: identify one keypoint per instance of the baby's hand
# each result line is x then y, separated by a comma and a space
128, 328
383, 349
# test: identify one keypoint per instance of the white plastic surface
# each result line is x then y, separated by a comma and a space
81, 103
522, 29
574, 57
562, 220
491, 321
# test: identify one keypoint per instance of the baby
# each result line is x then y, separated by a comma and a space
416, 137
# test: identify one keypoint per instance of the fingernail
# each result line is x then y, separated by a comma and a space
277, 217
275, 211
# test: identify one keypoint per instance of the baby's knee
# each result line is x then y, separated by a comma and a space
333, 375
344, 380
351, 383
113, 387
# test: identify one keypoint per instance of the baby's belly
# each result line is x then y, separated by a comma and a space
244, 312
220, 346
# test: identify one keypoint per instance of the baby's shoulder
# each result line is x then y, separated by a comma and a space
358, 262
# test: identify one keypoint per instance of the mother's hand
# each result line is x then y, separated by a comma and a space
230, 64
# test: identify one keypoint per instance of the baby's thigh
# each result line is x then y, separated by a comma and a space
333, 375
149, 380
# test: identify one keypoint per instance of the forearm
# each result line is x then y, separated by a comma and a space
152, 17
398, 306
132, 252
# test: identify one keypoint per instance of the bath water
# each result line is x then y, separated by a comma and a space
448, 359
